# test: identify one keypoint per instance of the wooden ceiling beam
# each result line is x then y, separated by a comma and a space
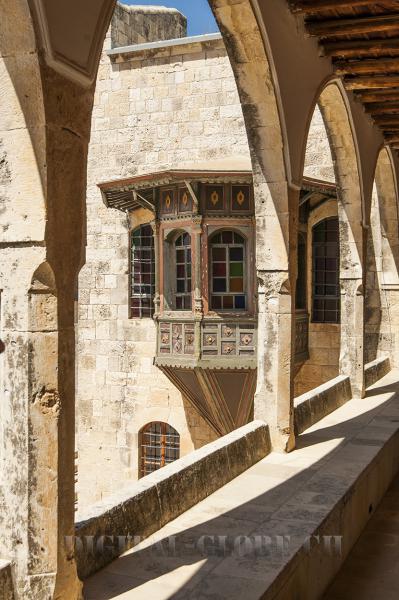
377, 95
354, 26
316, 6
382, 108
392, 138
372, 83
367, 67
387, 119
361, 48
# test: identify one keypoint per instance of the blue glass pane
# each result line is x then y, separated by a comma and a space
239, 302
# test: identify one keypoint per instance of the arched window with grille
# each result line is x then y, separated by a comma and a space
159, 446
183, 272
227, 269
325, 285
142, 272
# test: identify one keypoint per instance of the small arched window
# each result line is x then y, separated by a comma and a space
159, 446
183, 272
326, 288
228, 271
142, 272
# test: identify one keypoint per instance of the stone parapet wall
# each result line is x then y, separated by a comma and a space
320, 402
143, 508
140, 24
376, 370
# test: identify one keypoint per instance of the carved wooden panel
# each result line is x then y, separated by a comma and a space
176, 338
228, 339
301, 337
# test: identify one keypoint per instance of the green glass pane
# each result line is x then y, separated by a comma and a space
236, 269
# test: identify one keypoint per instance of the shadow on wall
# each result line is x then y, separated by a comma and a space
258, 516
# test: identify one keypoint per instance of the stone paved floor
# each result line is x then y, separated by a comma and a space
284, 494
371, 571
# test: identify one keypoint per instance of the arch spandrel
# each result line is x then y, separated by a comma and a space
348, 179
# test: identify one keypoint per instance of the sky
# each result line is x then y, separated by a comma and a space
198, 13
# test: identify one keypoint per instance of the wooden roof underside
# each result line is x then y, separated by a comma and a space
362, 39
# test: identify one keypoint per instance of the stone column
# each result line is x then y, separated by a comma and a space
352, 249
351, 361
43, 222
276, 250
157, 297
196, 275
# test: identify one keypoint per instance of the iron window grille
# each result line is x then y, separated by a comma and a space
326, 289
142, 272
159, 446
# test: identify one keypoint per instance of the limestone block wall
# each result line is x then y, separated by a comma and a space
140, 24
318, 160
152, 111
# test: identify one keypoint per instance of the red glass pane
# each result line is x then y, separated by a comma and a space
228, 302
219, 269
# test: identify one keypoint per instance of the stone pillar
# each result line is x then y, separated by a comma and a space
353, 243
43, 220
351, 360
196, 275
276, 249
157, 297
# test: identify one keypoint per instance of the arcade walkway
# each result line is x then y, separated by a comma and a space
325, 480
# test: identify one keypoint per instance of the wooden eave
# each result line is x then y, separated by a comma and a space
362, 39
135, 192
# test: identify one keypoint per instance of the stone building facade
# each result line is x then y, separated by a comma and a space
165, 107
154, 110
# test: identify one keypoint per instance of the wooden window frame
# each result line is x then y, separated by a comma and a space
325, 297
227, 246
140, 295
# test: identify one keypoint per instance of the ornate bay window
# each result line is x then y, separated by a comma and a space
200, 263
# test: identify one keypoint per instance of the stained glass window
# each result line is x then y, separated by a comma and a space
326, 289
142, 272
160, 445
228, 271
183, 272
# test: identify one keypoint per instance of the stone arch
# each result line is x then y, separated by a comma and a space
276, 203
336, 114
44, 132
382, 274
